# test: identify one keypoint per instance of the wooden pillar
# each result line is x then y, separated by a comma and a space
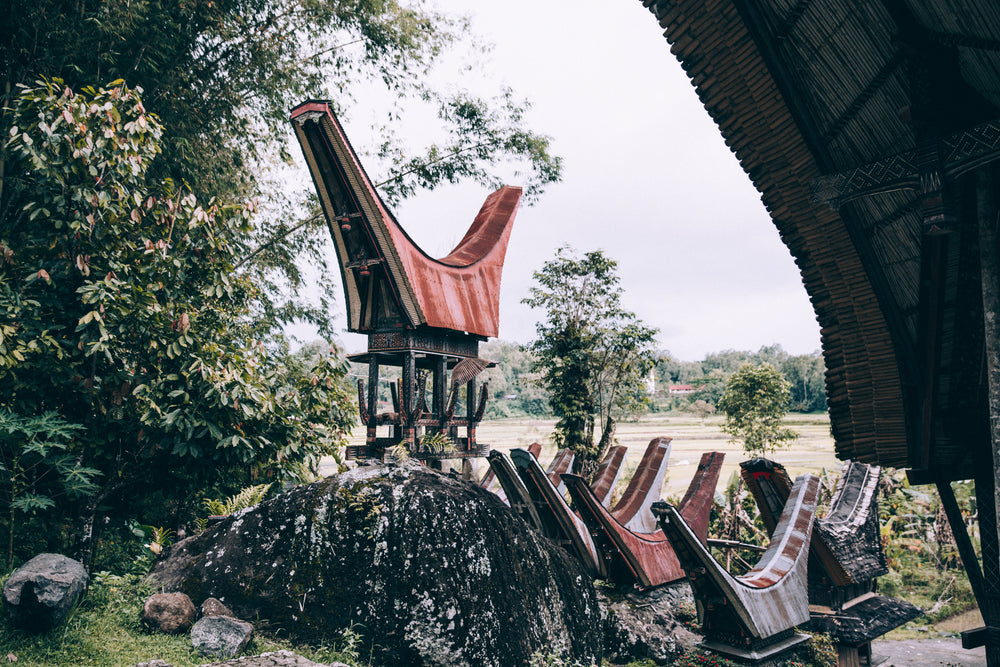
990, 268
965, 549
372, 433
440, 390
470, 413
847, 656
408, 398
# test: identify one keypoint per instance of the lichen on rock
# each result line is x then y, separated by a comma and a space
431, 569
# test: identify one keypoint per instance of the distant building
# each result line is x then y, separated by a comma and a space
680, 389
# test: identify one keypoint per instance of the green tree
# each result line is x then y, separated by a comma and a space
807, 375
222, 76
123, 313
36, 470
754, 400
674, 371
514, 388
592, 354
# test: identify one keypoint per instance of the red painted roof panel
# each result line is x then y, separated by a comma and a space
459, 292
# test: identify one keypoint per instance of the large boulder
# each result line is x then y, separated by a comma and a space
41, 593
431, 569
273, 659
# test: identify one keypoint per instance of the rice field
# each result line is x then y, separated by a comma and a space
811, 452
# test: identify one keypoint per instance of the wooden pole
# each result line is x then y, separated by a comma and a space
990, 268
961, 533
372, 434
408, 399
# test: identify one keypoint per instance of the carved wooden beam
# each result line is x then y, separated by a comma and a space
923, 170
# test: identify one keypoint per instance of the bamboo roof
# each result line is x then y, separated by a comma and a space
819, 99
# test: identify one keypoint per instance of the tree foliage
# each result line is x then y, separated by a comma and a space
593, 355
222, 76
123, 312
805, 373
514, 387
755, 399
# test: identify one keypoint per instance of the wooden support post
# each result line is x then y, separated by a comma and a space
470, 413
934, 251
990, 268
847, 656
961, 533
440, 390
372, 433
408, 399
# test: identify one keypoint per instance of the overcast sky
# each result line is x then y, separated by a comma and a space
647, 179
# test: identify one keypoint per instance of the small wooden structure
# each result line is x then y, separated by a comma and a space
556, 519
492, 484
422, 315
751, 618
646, 559
846, 557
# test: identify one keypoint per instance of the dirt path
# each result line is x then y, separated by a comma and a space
941, 652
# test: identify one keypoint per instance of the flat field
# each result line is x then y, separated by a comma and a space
811, 452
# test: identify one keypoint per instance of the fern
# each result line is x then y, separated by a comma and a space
248, 497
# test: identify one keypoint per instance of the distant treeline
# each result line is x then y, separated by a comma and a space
514, 389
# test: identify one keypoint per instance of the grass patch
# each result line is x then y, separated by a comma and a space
104, 630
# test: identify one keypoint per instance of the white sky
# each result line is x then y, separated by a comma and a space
647, 179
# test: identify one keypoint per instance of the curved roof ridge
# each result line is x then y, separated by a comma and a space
459, 292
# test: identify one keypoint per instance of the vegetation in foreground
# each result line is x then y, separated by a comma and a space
105, 629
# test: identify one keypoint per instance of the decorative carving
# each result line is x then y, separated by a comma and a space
425, 341
924, 169
483, 396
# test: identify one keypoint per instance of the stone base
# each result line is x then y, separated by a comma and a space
757, 656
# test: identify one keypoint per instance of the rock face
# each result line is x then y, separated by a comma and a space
41, 592
274, 659
645, 625
433, 570
168, 612
220, 636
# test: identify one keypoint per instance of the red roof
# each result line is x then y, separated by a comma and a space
459, 292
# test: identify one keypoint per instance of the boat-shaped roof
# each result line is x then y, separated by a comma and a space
391, 284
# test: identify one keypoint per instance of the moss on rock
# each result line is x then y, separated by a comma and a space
432, 570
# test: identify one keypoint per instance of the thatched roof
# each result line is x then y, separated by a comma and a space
855, 105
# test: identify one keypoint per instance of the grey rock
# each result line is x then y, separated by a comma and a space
171, 613
214, 607
273, 659
41, 593
645, 625
153, 663
220, 636
439, 570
